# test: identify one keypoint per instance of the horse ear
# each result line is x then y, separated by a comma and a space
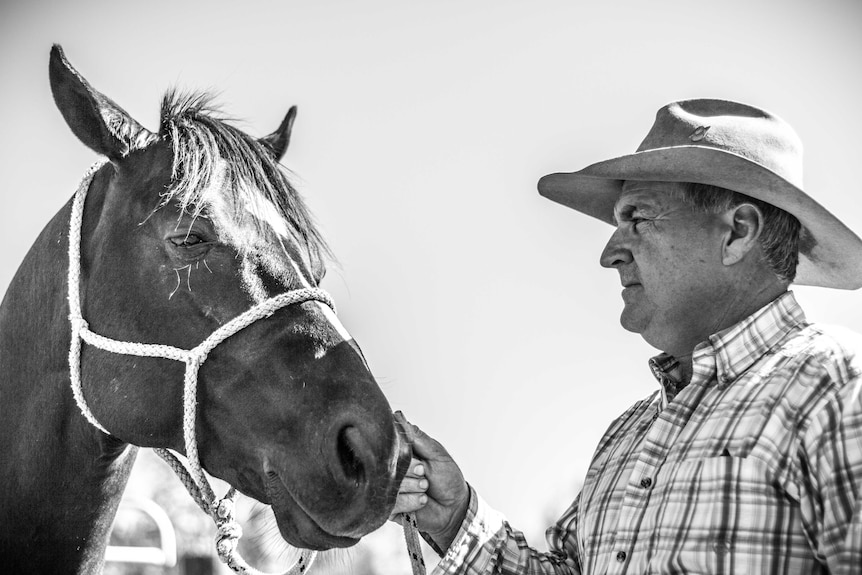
278, 140
95, 119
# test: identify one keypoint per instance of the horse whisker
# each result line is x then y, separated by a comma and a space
176, 271
179, 281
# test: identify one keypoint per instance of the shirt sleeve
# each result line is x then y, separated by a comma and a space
833, 483
487, 545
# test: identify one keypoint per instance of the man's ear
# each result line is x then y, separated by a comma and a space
744, 226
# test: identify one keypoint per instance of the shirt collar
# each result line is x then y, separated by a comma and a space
730, 352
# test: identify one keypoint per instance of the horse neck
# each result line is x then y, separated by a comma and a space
62, 478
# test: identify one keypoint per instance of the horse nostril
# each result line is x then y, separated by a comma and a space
350, 447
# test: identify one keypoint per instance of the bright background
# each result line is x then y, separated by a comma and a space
422, 130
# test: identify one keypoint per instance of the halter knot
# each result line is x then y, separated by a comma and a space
227, 539
196, 358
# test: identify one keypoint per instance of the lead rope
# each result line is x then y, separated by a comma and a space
411, 537
195, 481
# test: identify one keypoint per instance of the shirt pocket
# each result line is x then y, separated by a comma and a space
718, 514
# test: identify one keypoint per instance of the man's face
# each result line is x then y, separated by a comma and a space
669, 261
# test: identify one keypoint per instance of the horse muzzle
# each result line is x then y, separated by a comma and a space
353, 498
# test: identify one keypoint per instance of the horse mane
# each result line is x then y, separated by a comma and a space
221, 173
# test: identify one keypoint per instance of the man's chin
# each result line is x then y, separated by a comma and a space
631, 321
641, 328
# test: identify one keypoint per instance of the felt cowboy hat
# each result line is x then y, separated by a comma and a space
734, 146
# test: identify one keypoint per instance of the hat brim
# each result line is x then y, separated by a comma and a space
834, 261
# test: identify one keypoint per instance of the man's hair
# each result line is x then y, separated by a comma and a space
782, 234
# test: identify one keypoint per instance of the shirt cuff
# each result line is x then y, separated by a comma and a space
480, 526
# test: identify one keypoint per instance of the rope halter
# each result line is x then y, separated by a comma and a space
228, 530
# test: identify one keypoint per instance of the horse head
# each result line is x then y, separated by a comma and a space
183, 230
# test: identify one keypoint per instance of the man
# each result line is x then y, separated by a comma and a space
748, 459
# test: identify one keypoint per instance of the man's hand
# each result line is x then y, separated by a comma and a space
434, 488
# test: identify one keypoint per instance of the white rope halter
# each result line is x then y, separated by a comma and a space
194, 480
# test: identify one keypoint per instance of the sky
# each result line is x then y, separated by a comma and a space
422, 131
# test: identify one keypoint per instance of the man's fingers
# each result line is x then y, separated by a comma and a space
416, 469
414, 485
408, 503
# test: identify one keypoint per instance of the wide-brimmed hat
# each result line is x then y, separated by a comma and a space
734, 146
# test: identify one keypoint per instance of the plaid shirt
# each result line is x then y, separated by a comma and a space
753, 467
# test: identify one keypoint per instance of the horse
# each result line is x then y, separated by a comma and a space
180, 233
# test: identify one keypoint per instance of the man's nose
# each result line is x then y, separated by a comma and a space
615, 253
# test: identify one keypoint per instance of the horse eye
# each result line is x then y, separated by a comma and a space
187, 241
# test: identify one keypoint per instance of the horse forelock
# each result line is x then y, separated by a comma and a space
229, 177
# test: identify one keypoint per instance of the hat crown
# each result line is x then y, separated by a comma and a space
732, 127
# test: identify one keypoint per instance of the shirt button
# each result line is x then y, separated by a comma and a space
621, 556
725, 378
646, 482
